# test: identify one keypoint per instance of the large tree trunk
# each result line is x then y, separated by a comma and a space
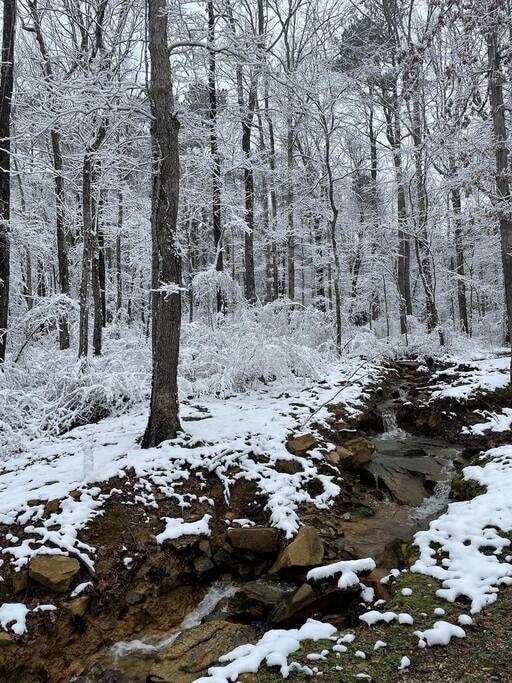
166, 262
6, 88
502, 184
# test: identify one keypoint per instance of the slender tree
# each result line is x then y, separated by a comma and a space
6, 90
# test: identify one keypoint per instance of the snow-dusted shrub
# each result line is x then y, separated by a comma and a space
48, 391
255, 345
208, 285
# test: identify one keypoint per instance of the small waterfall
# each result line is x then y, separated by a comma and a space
391, 428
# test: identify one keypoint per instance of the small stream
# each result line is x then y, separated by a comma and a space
413, 476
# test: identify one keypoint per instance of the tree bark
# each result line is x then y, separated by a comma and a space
502, 167
6, 89
459, 261
214, 151
163, 420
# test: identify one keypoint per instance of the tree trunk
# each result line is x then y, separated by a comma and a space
422, 247
214, 150
166, 262
119, 278
6, 88
58, 180
459, 261
502, 184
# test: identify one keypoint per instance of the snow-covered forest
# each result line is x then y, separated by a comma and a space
255, 317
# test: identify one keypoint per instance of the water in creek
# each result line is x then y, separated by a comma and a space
413, 474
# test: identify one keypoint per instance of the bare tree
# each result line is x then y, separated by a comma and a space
6, 89
166, 261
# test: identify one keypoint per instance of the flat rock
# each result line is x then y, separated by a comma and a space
55, 572
306, 550
299, 445
261, 540
195, 650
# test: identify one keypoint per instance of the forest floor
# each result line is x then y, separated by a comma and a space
108, 548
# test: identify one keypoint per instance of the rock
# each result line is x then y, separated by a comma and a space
203, 565
361, 450
303, 593
78, 606
19, 582
373, 581
134, 597
288, 466
333, 458
266, 592
205, 547
76, 495
261, 540
299, 445
33, 502
305, 603
55, 572
305, 550
6, 639
195, 650
405, 477
52, 506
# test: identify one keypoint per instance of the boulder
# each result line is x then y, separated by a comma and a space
55, 572
195, 650
19, 582
306, 550
299, 445
78, 606
361, 450
261, 540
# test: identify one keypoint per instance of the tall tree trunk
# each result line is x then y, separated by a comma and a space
6, 88
459, 260
58, 180
119, 270
502, 185
214, 150
424, 259
394, 135
166, 262
290, 237
89, 239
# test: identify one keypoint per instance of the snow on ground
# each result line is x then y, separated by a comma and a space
470, 560
486, 374
274, 648
495, 422
232, 438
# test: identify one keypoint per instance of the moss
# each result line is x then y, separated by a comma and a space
466, 489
